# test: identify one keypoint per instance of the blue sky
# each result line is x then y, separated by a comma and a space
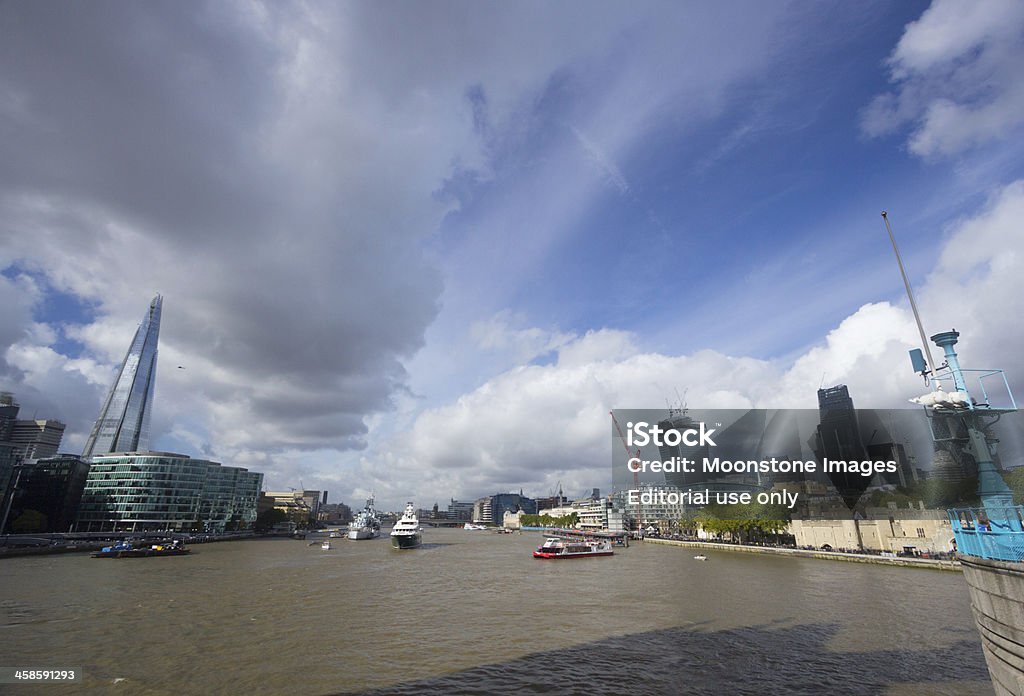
422, 250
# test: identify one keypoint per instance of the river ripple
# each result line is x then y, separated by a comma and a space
474, 613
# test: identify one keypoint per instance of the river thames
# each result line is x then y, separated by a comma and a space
471, 612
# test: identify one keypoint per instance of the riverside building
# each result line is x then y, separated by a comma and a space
594, 515
22, 442
659, 504
158, 491
37, 439
510, 502
33, 439
301, 507
460, 511
45, 495
482, 511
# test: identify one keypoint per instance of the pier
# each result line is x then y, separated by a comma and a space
616, 538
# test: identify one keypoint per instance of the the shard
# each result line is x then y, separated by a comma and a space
123, 423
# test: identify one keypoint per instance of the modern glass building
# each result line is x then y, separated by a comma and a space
158, 491
10, 457
510, 502
47, 495
123, 423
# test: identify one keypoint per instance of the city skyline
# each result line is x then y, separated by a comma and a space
423, 250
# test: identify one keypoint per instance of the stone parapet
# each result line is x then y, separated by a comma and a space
997, 599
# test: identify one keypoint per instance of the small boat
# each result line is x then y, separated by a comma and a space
471, 526
124, 549
554, 547
406, 532
700, 557
326, 546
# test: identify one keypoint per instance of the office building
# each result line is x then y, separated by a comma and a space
335, 513
8, 414
9, 459
123, 422
315, 500
482, 511
838, 438
37, 439
510, 502
553, 501
34, 439
301, 507
666, 505
21, 441
460, 511
157, 491
45, 495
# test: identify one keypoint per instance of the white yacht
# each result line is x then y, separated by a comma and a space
406, 533
365, 525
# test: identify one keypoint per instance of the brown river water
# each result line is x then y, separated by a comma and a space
471, 612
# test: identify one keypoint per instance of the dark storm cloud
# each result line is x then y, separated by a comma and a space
217, 154
147, 108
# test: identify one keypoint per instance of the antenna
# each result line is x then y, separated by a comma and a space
910, 295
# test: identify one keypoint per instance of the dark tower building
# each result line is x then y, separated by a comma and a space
838, 439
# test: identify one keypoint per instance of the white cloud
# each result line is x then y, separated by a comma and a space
956, 71
274, 176
533, 426
504, 333
601, 346
278, 175
252, 180
602, 162
949, 29
978, 285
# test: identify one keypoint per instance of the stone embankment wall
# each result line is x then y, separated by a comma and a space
825, 555
997, 598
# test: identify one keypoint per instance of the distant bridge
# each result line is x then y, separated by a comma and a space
441, 523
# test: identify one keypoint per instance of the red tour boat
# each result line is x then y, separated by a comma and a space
560, 548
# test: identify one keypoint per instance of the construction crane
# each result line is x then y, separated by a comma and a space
558, 497
636, 476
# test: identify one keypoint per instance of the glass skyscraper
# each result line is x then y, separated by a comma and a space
123, 423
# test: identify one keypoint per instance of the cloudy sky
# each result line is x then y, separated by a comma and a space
421, 249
